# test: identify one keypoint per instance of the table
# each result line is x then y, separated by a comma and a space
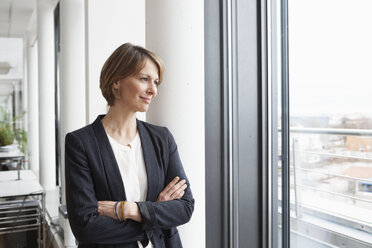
14, 155
22, 204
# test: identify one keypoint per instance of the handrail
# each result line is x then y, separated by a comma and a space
335, 175
335, 155
333, 193
330, 192
348, 157
333, 131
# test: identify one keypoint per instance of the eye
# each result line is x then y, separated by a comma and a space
157, 83
144, 79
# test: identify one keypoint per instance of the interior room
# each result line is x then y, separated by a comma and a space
266, 103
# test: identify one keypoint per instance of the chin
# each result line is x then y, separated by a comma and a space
143, 109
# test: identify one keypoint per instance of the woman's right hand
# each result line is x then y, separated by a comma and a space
174, 190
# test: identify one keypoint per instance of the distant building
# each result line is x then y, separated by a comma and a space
360, 144
363, 182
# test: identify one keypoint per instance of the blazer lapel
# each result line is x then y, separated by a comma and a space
110, 166
150, 161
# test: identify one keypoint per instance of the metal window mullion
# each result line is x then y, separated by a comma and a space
266, 235
271, 146
233, 230
285, 127
273, 159
233, 123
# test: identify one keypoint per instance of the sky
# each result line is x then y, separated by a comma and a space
330, 57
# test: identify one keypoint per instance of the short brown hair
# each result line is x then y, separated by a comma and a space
126, 60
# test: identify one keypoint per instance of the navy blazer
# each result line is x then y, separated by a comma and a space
92, 175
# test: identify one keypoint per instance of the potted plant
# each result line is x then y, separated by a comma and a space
9, 134
6, 134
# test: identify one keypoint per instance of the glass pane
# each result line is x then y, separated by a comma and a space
330, 51
13, 135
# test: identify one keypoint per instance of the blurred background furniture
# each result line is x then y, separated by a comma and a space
11, 160
22, 210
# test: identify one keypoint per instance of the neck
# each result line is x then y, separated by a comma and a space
120, 123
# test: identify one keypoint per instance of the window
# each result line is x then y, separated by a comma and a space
324, 122
13, 105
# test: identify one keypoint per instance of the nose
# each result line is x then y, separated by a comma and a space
152, 89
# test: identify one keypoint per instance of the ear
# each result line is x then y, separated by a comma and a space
115, 88
116, 85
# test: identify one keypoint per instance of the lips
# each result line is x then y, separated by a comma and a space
146, 99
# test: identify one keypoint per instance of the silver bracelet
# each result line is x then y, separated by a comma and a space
116, 210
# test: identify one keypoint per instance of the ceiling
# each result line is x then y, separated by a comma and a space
15, 17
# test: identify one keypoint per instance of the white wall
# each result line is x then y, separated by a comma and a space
109, 23
175, 31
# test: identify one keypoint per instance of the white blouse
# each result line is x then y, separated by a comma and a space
133, 170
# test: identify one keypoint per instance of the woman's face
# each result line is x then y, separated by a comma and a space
136, 92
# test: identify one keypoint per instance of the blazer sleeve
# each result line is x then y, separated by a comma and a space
86, 224
167, 214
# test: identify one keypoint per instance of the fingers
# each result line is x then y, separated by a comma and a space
101, 206
180, 185
106, 208
174, 190
100, 210
179, 192
171, 184
176, 186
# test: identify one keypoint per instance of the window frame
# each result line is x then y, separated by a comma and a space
236, 123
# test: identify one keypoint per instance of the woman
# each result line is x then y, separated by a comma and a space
125, 184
